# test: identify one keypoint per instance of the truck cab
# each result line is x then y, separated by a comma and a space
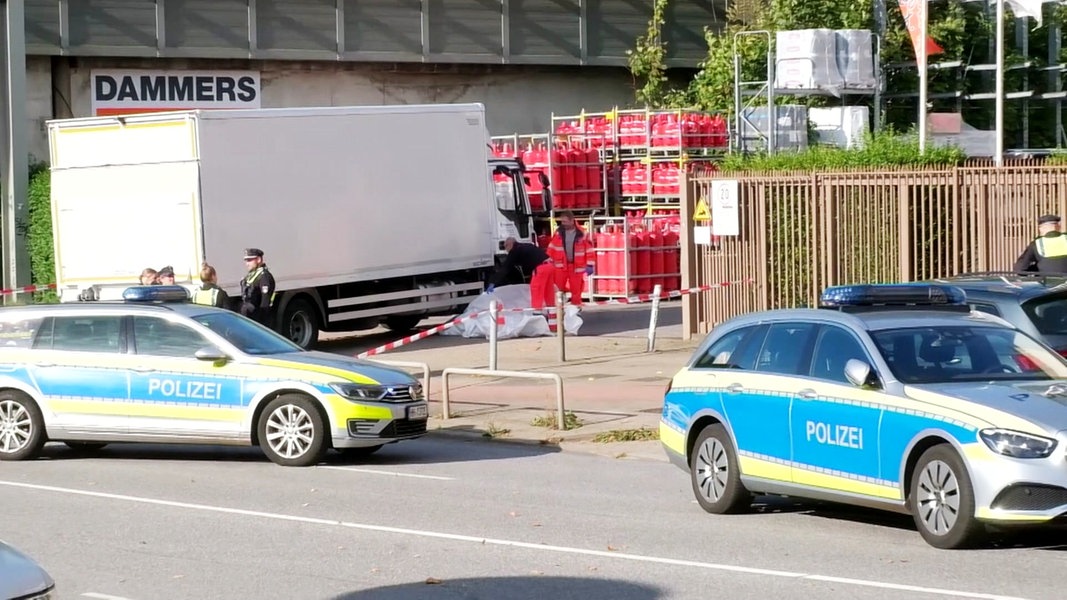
514, 213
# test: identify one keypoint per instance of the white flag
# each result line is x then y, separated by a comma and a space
1028, 8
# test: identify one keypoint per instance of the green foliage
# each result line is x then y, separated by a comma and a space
647, 60
39, 233
885, 149
642, 434
570, 421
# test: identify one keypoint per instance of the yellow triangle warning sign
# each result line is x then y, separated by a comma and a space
702, 213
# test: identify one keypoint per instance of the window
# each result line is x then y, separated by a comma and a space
735, 350
834, 349
18, 332
159, 337
785, 349
1048, 313
247, 335
986, 308
942, 354
82, 334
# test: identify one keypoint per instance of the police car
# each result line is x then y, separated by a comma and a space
889, 396
156, 368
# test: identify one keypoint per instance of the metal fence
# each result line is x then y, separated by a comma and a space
802, 232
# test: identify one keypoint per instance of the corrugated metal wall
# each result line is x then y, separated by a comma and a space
547, 32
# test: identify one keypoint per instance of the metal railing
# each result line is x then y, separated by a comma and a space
446, 412
802, 232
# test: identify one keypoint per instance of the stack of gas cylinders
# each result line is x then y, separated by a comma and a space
676, 129
651, 243
664, 178
575, 174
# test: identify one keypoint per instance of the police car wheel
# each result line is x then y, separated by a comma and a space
21, 426
715, 474
292, 432
942, 500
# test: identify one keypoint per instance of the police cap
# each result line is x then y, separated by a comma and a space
253, 253
1048, 219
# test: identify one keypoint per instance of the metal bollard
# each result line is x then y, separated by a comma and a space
494, 313
559, 327
653, 317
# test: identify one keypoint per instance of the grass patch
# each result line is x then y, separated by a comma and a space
494, 431
626, 435
570, 421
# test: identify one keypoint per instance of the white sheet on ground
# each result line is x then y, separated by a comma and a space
516, 324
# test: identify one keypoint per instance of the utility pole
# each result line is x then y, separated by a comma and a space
14, 155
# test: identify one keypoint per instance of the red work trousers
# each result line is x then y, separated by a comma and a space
567, 279
542, 287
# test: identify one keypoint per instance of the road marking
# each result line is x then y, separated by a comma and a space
515, 544
393, 473
102, 596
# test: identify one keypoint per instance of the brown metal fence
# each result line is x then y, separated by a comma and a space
802, 232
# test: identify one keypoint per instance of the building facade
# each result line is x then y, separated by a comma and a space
524, 59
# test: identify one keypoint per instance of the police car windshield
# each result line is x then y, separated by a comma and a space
946, 354
249, 337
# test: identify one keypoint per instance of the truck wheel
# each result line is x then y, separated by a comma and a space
292, 432
21, 426
402, 322
300, 323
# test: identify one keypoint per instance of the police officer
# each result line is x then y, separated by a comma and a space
209, 293
1048, 252
257, 288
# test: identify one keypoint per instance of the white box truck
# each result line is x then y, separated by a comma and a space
366, 215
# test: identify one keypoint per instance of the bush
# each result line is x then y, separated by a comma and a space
39, 233
881, 150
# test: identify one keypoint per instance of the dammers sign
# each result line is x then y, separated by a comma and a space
117, 92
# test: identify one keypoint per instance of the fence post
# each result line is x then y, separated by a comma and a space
653, 317
688, 258
494, 312
559, 327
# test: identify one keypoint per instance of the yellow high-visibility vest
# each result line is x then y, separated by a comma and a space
206, 297
1051, 247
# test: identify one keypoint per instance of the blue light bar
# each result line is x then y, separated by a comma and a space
893, 294
155, 293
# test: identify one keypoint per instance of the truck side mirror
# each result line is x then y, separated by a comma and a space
546, 200
543, 179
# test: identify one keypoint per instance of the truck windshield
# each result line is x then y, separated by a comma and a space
247, 335
944, 354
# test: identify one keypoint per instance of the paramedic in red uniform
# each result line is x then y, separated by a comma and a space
569, 251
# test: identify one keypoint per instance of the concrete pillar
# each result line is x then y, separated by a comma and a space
14, 152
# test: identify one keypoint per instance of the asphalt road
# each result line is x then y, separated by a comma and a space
445, 518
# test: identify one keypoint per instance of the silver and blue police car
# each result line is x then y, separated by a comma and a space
888, 396
158, 369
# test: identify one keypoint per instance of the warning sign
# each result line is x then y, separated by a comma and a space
702, 212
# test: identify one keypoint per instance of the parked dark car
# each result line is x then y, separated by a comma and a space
1033, 303
22, 578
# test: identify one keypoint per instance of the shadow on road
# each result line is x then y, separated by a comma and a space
512, 588
422, 451
1050, 536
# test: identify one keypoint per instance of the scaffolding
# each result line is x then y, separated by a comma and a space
750, 96
1054, 71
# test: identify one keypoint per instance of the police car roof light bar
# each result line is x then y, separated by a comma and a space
903, 295
155, 293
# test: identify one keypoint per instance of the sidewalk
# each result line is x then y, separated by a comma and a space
613, 390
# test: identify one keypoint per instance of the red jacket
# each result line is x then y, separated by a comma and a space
558, 253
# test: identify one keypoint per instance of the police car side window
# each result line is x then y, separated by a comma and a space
83, 334
834, 349
787, 348
159, 337
736, 350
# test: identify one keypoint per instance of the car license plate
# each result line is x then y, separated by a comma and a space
418, 412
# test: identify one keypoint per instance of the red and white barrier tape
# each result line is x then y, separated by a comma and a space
635, 299
29, 289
